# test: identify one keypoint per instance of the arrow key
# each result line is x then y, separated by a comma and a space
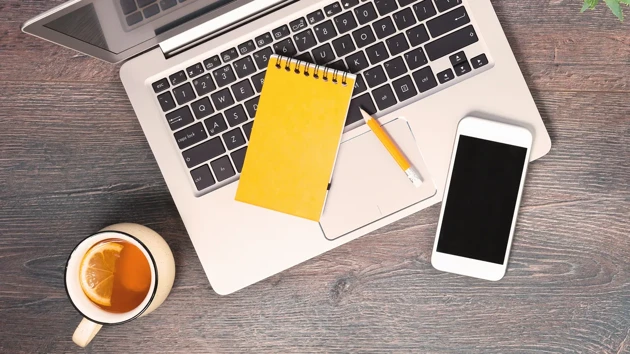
457, 58
463, 68
445, 76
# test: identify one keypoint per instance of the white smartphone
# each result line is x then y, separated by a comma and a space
481, 200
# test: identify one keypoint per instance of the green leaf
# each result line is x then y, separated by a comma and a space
627, 2
589, 5
615, 8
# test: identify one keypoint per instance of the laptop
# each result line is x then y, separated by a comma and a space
194, 70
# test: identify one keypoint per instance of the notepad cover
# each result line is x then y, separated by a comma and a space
295, 138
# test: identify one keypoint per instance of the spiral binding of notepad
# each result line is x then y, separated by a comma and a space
308, 69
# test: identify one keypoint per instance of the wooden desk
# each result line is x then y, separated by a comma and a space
73, 159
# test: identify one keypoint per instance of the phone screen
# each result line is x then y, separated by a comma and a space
481, 199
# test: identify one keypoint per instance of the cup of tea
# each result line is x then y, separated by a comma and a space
116, 275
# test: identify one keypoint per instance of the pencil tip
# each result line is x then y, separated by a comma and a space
366, 115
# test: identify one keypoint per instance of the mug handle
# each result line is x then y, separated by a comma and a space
85, 332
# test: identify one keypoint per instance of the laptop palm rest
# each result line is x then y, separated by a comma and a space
368, 185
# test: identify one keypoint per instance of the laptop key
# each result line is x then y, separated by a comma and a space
323, 54
444, 5
343, 45
298, 25
451, 43
233, 139
315, 17
395, 67
424, 10
134, 18
128, 6
160, 85
222, 168
190, 136
204, 85
247, 129
244, 67
242, 90
384, 27
364, 36
238, 157
167, 4
166, 101
263, 40
384, 97
143, 3
262, 57
365, 13
338, 65
151, 11
375, 76
229, 55
415, 58
184, 93
417, 35
404, 19
345, 22
246, 47
404, 88
377, 53
285, 47
359, 85
457, 58
224, 76
448, 21
259, 80
252, 106
385, 6
280, 32
404, 3
349, 3
222, 99
332, 9
202, 177
212, 63
479, 61
202, 108
397, 44
445, 76
179, 118
361, 102
235, 116
203, 152
195, 70
357, 62
462, 68
177, 78
325, 31
424, 79
215, 124
305, 57
305, 40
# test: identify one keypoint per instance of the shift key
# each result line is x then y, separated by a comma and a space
203, 152
451, 43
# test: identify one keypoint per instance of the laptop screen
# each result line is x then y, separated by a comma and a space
119, 25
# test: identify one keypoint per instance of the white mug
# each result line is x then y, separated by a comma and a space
161, 263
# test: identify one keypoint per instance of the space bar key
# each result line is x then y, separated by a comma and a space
451, 43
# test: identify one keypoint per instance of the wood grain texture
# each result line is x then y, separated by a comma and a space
73, 159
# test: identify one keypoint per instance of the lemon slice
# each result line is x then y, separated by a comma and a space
97, 272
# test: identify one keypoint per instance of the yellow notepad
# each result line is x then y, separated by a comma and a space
295, 137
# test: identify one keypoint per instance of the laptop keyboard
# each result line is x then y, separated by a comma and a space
389, 44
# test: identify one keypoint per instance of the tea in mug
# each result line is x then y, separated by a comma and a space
115, 275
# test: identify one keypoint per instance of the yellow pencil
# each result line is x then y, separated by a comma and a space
393, 150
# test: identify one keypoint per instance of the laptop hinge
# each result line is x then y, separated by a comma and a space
231, 18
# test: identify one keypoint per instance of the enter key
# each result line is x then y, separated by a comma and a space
448, 21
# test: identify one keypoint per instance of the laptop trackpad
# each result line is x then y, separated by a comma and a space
368, 185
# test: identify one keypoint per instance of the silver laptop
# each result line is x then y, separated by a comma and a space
194, 70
